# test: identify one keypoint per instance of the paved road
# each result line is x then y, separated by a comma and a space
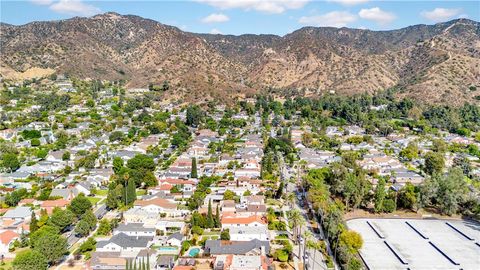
319, 236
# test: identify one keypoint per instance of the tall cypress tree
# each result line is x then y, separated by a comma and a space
148, 260
127, 264
217, 218
131, 192
194, 173
210, 221
135, 264
33, 223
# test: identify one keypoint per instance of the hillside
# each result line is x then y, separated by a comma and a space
433, 63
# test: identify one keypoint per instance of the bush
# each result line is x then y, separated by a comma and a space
281, 255
389, 205
197, 230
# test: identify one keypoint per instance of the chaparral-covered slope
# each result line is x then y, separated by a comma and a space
432, 63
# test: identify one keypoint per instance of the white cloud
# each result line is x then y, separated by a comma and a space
377, 15
334, 18
440, 14
74, 7
215, 31
349, 2
268, 6
42, 2
216, 18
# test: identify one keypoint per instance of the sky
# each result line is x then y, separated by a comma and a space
237, 17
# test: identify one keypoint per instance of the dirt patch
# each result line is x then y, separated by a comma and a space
360, 213
282, 266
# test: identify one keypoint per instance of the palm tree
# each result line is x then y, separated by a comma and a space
295, 218
290, 199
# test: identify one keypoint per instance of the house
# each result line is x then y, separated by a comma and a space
52, 204
160, 206
253, 247
134, 229
249, 233
253, 221
246, 172
175, 239
8, 134
82, 187
106, 260
122, 242
402, 177
241, 262
165, 262
6, 241
19, 213
138, 215
64, 193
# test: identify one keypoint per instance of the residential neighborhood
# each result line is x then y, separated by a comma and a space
95, 184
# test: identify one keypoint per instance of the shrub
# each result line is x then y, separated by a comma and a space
389, 205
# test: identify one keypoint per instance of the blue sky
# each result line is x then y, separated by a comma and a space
251, 16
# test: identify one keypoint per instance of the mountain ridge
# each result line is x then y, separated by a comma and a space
433, 63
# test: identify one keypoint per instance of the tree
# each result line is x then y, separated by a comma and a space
389, 205
131, 192
66, 155
194, 115
410, 152
61, 218
434, 163
112, 199
90, 218
104, 227
117, 164
141, 162
407, 197
88, 245
379, 195
352, 240
80, 205
33, 223
82, 228
228, 195
217, 218
451, 192
194, 173
197, 230
210, 220
30, 260
225, 235
10, 162
53, 246
296, 221
439, 146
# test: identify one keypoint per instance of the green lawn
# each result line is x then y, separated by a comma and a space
141, 192
94, 200
101, 192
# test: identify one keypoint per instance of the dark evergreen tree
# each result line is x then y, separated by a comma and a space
217, 218
194, 173
33, 223
131, 192
210, 220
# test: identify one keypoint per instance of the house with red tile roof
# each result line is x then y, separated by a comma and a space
6, 240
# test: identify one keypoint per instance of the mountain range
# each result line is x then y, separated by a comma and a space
432, 63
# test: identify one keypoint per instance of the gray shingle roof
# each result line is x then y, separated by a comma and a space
125, 241
177, 236
215, 247
133, 227
19, 212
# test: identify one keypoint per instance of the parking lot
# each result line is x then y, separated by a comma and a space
418, 244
